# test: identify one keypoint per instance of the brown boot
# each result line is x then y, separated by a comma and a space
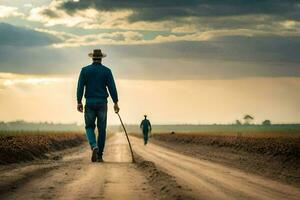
94, 155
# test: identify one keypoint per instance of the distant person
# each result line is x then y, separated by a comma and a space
94, 80
146, 127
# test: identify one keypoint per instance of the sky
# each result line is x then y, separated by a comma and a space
192, 61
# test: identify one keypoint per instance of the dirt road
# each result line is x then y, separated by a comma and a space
208, 180
75, 177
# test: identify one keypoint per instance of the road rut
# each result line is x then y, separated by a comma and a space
75, 177
208, 180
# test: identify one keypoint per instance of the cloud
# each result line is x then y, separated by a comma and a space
28, 5
205, 13
231, 53
8, 11
114, 38
18, 36
91, 19
209, 55
19, 80
221, 58
41, 60
146, 10
51, 17
139, 38
175, 16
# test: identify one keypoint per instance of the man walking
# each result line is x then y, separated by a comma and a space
94, 80
146, 127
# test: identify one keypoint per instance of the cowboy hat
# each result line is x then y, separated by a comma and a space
97, 53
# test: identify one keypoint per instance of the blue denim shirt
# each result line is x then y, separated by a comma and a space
96, 79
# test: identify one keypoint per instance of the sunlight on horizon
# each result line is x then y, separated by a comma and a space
49, 98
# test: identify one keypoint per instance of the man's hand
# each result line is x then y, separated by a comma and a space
116, 108
80, 107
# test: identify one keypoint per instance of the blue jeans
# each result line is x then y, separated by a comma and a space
91, 113
145, 134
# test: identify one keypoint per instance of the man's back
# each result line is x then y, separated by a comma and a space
95, 78
145, 125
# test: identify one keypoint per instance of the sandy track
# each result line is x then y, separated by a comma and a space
208, 180
75, 177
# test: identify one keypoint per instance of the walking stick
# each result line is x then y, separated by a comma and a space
127, 138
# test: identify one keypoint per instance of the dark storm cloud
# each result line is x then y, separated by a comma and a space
149, 10
18, 36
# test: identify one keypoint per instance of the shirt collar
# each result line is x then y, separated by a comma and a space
97, 63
